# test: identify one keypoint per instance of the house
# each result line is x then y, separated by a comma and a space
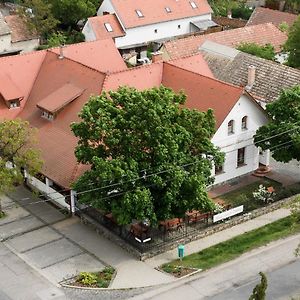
134, 24
15, 37
262, 15
48, 88
263, 79
260, 34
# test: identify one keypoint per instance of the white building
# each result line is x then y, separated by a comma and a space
137, 23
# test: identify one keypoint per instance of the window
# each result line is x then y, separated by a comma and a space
13, 104
219, 169
47, 115
168, 9
244, 123
179, 26
193, 4
231, 127
139, 13
108, 27
241, 157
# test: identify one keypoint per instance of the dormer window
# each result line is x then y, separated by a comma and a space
47, 115
168, 10
139, 13
193, 4
14, 103
52, 104
230, 127
108, 27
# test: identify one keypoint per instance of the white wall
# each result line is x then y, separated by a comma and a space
5, 43
26, 46
144, 34
52, 194
230, 144
165, 30
88, 32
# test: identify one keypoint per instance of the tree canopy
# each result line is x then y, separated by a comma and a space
17, 148
292, 45
267, 51
148, 155
282, 134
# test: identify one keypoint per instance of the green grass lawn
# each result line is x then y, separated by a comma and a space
236, 246
244, 195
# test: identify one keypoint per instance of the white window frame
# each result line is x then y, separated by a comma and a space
230, 128
108, 27
244, 125
193, 4
139, 13
168, 9
240, 162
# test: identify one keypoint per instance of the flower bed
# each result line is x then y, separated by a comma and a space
100, 279
178, 271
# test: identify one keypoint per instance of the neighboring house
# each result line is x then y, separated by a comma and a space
15, 38
134, 24
263, 15
260, 34
49, 88
263, 79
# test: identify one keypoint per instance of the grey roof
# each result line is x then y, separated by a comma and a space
4, 29
270, 77
204, 24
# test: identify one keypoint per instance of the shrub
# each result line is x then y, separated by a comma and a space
267, 51
263, 195
87, 278
243, 12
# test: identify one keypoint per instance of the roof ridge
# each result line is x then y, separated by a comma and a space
135, 68
209, 78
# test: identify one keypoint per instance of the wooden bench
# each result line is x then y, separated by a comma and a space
195, 216
171, 224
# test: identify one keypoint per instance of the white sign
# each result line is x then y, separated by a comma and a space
228, 213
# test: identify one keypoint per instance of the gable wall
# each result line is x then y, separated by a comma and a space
229, 144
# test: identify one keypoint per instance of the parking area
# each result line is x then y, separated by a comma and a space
34, 238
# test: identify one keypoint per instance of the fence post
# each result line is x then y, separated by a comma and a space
72, 202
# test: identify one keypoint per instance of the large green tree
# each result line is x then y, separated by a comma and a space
17, 152
150, 158
69, 12
282, 134
38, 16
292, 45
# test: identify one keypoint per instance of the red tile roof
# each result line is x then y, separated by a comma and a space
19, 30
195, 63
100, 55
263, 15
60, 98
202, 92
155, 11
100, 30
261, 34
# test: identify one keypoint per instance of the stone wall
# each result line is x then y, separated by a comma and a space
189, 238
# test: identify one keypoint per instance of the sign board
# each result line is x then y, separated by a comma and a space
228, 213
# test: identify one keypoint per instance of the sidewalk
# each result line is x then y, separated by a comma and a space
132, 273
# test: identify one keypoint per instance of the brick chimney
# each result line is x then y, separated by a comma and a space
61, 52
251, 77
156, 56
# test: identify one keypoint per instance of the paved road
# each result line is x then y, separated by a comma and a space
242, 272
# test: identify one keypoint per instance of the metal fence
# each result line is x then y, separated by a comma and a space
151, 237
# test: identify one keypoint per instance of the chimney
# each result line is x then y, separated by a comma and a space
61, 52
251, 77
156, 56
229, 14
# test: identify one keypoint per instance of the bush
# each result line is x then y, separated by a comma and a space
267, 51
243, 12
263, 195
87, 278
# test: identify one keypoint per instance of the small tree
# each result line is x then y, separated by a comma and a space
259, 291
292, 45
148, 155
282, 134
267, 51
17, 152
